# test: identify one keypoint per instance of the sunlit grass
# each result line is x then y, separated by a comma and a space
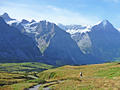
23, 67
95, 77
19, 76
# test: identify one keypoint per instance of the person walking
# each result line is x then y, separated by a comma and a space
81, 75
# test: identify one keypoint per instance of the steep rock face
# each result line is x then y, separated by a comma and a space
59, 48
80, 35
16, 47
84, 42
45, 32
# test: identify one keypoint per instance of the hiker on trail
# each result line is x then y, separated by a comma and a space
81, 75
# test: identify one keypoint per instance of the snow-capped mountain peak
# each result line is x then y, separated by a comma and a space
24, 21
6, 17
32, 21
103, 23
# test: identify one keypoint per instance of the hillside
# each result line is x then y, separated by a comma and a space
95, 77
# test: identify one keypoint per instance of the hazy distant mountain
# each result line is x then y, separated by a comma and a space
16, 47
71, 27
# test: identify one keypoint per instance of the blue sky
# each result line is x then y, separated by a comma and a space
64, 11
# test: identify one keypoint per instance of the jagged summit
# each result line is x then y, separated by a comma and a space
32, 21
104, 25
46, 23
24, 21
6, 17
105, 21
72, 27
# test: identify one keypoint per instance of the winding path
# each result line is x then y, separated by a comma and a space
45, 88
35, 87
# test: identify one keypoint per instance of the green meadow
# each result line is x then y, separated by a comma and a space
22, 76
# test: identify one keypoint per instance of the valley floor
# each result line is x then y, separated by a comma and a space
95, 77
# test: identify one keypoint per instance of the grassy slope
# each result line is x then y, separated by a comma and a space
96, 77
24, 67
18, 76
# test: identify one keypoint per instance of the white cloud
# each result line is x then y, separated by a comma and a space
50, 13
